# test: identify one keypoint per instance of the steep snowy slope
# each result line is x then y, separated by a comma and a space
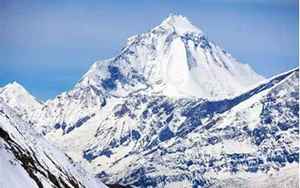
20, 100
174, 110
28, 160
69, 110
160, 141
173, 59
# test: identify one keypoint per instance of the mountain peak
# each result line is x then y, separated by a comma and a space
173, 59
15, 86
180, 24
17, 97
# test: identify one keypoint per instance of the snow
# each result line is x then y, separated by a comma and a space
12, 173
287, 177
176, 71
245, 112
44, 157
175, 59
170, 77
17, 97
229, 147
179, 24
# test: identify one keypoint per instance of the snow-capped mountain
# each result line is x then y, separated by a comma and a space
18, 98
173, 59
28, 160
162, 142
175, 110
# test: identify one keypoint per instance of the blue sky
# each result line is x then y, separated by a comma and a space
48, 45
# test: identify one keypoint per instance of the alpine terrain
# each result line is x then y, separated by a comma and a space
28, 160
172, 109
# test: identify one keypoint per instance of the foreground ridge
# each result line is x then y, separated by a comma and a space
28, 160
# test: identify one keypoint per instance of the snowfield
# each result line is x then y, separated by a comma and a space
28, 160
173, 109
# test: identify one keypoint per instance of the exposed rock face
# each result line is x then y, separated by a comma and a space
28, 160
175, 110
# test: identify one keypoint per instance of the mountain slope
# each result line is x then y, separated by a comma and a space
18, 98
175, 110
173, 59
250, 135
28, 160
255, 138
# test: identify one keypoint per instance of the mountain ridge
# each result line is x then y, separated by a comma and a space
18, 98
164, 60
28, 160
174, 109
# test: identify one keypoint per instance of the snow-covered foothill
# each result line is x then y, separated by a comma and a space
29, 160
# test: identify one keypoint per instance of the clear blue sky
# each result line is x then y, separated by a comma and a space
48, 45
